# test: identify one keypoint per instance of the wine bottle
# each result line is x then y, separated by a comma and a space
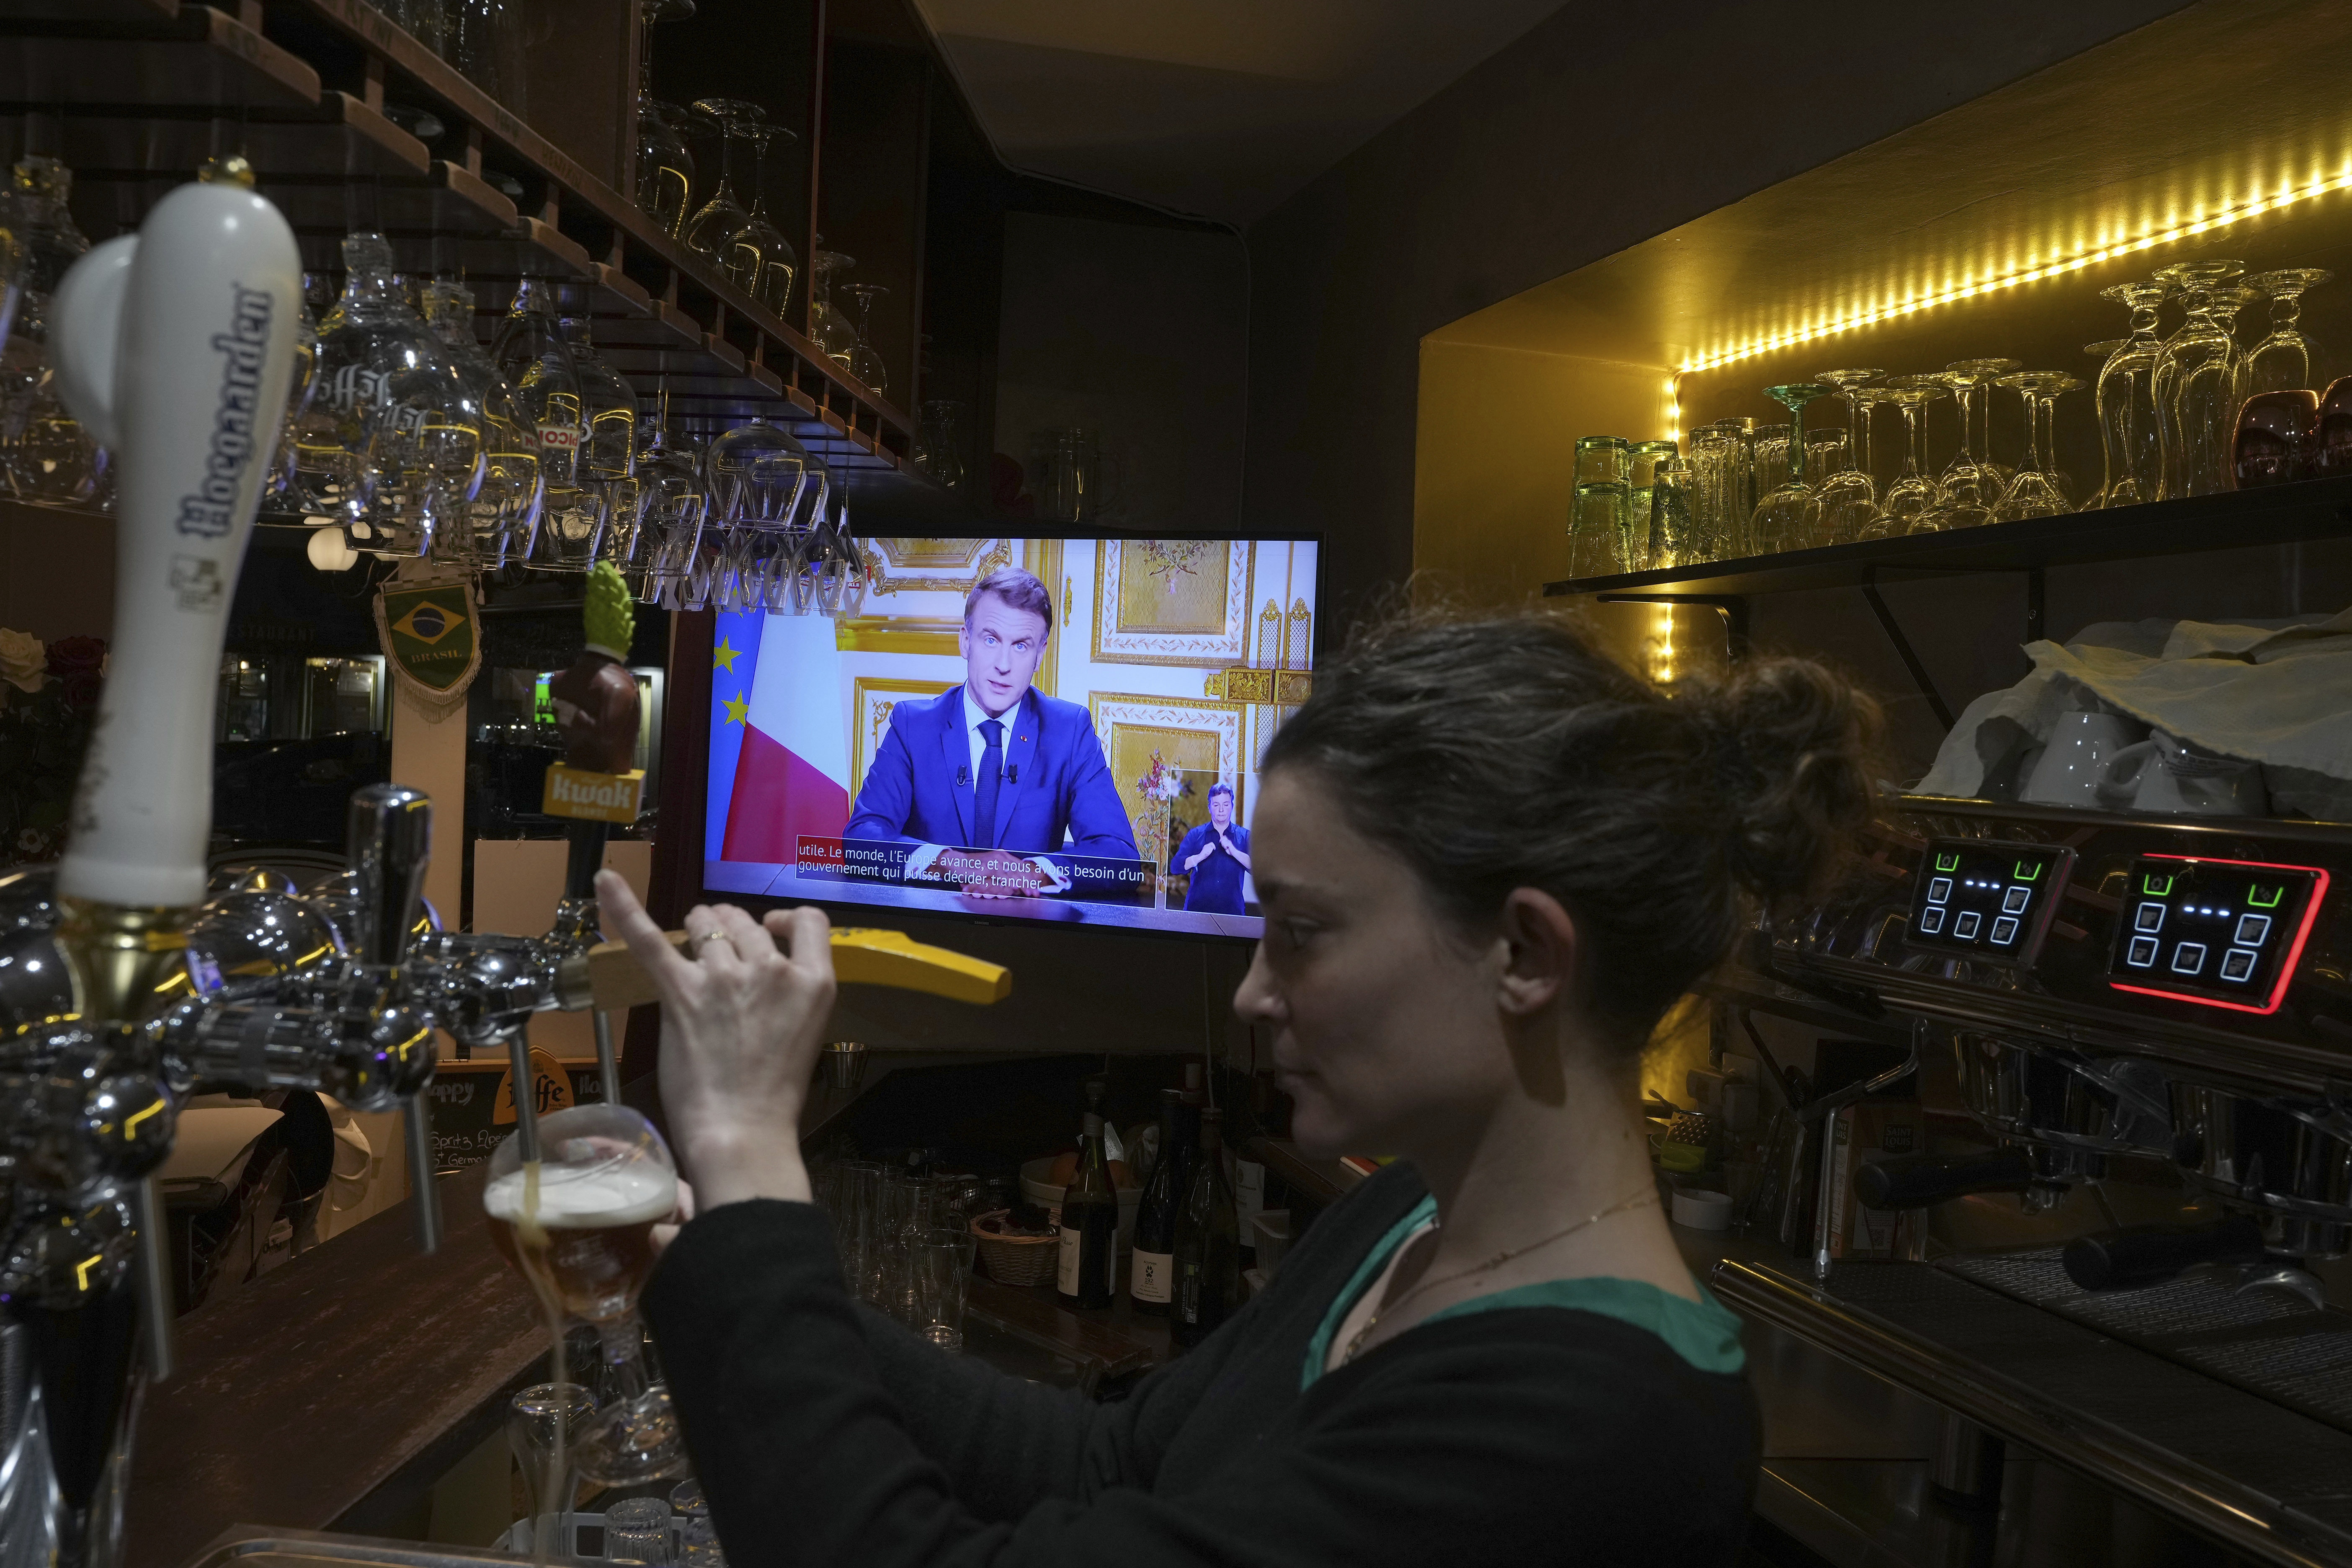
1153, 1277
1089, 1251
1208, 1243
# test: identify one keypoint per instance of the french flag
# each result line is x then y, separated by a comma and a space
791, 770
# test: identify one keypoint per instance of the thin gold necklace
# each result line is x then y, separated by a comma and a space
1649, 1194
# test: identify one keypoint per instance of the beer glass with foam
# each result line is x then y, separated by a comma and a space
579, 1228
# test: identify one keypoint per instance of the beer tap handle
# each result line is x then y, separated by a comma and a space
388, 837
526, 1098
151, 1278
608, 1062
424, 1185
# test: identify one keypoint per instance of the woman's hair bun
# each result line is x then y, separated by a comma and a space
1790, 742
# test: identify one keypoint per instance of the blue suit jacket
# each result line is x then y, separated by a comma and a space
1062, 784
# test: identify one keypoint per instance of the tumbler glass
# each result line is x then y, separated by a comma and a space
636, 1529
940, 1265
1672, 541
1597, 529
1604, 459
697, 1536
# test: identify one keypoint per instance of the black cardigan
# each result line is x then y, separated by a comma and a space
823, 1433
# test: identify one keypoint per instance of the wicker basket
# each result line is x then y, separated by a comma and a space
1015, 1259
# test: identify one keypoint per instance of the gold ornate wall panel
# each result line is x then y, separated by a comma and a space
935, 566
1172, 601
1201, 738
871, 699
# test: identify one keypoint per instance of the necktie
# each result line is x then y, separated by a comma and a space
991, 776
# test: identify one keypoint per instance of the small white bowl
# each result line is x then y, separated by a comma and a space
1695, 1208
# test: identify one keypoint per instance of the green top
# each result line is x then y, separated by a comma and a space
609, 616
1704, 1333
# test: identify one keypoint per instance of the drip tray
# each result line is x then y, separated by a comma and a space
2267, 1344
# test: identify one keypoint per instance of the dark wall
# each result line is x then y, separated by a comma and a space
1601, 127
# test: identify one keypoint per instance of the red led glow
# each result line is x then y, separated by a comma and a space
2294, 953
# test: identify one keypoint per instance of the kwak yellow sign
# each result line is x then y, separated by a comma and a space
428, 631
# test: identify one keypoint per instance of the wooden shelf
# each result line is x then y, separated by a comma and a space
2282, 514
141, 94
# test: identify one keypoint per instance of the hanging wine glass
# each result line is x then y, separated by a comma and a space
723, 216
2039, 489
2195, 376
1848, 497
505, 510
865, 363
1785, 518
758, 257
757, 473
2130, 434
676, 501
608, 452
394, 449
828, 328
939, 443
665, 167
50, 460
2287, 359
532, 353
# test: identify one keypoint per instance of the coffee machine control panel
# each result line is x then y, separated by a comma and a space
1986, 902
2220, 933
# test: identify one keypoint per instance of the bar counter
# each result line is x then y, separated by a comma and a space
330, 1392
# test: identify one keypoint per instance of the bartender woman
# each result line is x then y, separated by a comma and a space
1489, 859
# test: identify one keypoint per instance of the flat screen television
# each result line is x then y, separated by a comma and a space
1048, 729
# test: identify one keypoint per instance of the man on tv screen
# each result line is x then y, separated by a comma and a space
994, 768
1215, 856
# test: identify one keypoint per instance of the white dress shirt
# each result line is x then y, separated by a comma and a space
974, 716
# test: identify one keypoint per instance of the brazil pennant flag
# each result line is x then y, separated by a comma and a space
428, 632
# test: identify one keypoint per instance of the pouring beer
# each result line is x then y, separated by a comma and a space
577, 1224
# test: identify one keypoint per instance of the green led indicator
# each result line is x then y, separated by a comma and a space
2254, 896
2155, 885
1948, 862
2027, 871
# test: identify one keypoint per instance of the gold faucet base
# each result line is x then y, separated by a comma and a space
124, 958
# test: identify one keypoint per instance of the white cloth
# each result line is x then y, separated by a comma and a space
2278, 692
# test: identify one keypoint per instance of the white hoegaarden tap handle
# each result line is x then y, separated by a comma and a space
177, 347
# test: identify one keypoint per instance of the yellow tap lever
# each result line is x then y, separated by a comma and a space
608, 977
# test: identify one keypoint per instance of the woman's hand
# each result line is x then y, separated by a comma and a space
741, 1027
666, 1232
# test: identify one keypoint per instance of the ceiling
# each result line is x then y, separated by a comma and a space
1219, 108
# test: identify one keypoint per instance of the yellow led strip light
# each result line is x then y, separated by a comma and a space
2228, 213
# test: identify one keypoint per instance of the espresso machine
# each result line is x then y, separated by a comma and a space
2153, 1013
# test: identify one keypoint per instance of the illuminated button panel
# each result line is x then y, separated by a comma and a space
1986, 901
2221, 934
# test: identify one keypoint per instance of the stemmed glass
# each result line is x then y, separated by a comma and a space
2100, 353
828, 328
865, 363
1971, 485
542, 1422
1784, 519
578, 1226
2130, 431
665, 167
2039, 489
1849, 497
758, 257
49, 457
939, 443
1911, 495
2283, 360
677, 499
505, 511
722, 216
758, 475
2195, 377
